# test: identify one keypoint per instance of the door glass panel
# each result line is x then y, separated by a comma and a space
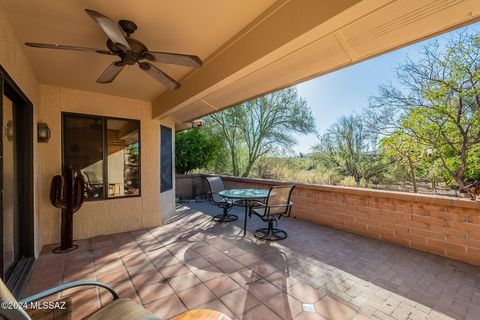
83, 149
123, 158
10, 234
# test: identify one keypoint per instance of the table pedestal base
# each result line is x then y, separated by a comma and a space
225, 218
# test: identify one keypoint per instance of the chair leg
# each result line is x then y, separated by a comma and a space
225, 217
270, 233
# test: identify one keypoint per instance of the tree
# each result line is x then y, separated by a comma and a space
194, 149
261, 125
347, 148
439, 104
226, 124
404, 149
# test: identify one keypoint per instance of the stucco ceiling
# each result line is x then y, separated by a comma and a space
183, 26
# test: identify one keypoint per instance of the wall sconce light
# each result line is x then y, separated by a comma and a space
43, 132
9, 131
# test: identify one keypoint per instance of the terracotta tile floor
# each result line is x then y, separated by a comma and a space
192, 262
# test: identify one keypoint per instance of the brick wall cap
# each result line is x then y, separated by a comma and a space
398, 195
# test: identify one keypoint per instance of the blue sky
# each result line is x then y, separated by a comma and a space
345, 91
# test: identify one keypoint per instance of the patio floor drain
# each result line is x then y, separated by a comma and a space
308, 307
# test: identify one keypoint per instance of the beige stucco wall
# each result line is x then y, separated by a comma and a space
13, 60
107, 216
99, 217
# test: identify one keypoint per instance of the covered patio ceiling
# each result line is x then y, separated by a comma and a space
248, 47
190, 27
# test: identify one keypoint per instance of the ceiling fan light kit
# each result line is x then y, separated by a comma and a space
129, 50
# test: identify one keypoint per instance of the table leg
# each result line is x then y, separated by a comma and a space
245, 221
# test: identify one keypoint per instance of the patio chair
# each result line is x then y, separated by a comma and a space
277, 205
93, 186
118, 309
216, 186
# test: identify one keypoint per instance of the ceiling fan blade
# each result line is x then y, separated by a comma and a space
159, 75
174, 58
66, 47
111, 29
111, 72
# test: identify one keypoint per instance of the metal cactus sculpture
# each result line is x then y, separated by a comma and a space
67, 192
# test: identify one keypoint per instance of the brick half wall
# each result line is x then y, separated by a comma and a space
440, 225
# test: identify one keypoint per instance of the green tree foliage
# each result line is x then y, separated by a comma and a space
194, 149
260, 126
439, 104
349, 148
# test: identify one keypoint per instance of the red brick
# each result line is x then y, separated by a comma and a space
427, 234
364, 220
474, 235
356, 227
464, 241
447, 246
395, 227
429, 248
429, 220
456, 217
399, 240
466, 211
462, 256
447, 231
464, 226
474, 219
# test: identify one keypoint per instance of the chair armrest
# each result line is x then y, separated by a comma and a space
210, 196
287, 207
280, 205
65, 286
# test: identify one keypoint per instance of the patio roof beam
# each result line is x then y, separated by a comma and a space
296, 40
282, 23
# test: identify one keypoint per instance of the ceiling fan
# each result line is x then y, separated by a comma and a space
129, 50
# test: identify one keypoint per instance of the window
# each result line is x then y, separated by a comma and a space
106, 151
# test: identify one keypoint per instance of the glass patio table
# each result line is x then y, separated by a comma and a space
245, 198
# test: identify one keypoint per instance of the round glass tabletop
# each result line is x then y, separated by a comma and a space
244, 193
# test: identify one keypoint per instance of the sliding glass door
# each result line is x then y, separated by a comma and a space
16, 185
11, 236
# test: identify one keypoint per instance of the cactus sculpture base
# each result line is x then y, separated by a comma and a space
60, 250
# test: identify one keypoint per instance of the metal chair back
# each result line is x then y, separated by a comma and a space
92, 178
216, 186
278, 201
12, 312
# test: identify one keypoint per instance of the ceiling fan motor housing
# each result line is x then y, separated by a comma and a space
132, 56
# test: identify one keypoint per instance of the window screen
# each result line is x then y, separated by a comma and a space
165, 159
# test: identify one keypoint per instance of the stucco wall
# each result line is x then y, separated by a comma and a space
13, 60
94, 218
107, 216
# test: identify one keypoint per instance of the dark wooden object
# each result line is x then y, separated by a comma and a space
67, 192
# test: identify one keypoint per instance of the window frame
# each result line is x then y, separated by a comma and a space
105, 151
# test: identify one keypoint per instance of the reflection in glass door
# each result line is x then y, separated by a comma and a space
10, 214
